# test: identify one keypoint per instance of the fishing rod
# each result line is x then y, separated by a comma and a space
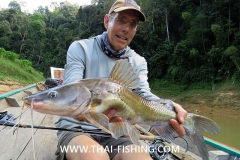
94, 132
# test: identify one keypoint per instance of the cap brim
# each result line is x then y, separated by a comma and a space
141, 15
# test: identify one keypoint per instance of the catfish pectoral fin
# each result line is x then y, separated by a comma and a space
99, 120
118, 129
134, 134
121, 128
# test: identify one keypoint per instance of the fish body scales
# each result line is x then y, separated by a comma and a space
147, 110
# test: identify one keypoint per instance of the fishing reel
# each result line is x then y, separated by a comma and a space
158, 150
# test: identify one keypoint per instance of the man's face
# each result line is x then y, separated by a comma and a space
121, 28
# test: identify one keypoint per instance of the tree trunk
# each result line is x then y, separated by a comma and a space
235, 61
229, 15
22, 44
167, 27
153, 25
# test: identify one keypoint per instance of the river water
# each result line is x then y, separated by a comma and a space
230, 130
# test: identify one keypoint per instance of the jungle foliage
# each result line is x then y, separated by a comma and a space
183, 41
17, 70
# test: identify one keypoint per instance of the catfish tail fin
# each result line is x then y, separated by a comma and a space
205, 124
193, 126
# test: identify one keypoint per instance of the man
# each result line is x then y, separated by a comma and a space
95, 57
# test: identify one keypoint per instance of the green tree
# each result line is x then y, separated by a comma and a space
5, 28
15, 5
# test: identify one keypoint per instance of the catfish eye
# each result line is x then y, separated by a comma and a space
52, 94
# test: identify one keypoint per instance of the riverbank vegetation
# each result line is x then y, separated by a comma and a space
199, 98
15, 69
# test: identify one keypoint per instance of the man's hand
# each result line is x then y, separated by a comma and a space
110, 113
181, 116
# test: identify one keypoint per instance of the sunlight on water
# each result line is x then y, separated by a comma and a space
229, 133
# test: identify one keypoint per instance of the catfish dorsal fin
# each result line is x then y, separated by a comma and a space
123, 73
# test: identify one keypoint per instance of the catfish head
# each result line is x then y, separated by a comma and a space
61, 100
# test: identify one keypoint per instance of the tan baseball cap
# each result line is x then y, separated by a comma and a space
121, 5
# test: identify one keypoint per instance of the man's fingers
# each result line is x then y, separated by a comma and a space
110, 113
116, 119
181, 113
181, 116
177, 127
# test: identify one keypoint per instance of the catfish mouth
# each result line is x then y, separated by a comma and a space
27, 100
37, 105
32, 102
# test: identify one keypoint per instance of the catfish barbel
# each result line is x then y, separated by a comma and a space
89, 98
